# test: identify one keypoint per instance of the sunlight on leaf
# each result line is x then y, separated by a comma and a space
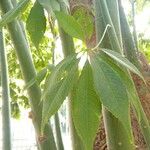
85, 18
70, 25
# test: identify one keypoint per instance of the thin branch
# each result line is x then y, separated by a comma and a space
99, 43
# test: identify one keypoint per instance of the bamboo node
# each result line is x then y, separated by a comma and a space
42, 138
31, 115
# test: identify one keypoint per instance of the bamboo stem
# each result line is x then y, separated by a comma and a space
128, 42
114, 14
68, 49
28, 70
116, 135
6, 125
134, 25
59, 141
100, 24
132, 55
144, 125
114, 40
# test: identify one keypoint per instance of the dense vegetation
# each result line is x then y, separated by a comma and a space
97, 74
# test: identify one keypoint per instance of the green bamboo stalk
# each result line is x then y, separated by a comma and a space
6, 125
134, 26
68, 49
59, 141
112, 34
14, 3
116, 136
131, 52
145, 127
45, 142
144, 123
128, 42
114, 13
100, 24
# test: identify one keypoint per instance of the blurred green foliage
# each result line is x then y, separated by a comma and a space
43, 55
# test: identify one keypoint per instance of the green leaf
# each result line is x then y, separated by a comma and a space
30, 83
58, 86
15, 12
37, 79
36, 24
133, 97
70, 25
127, 80
41, 75
86, 108
111, 90
15, 110
123, 61
50, 5
58, 72
85, 18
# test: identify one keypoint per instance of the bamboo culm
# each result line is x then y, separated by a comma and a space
129, 47
113, 127
28, 70
59, 141
6, 122
68, 49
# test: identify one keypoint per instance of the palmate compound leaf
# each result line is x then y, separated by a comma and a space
13, 13
123, 61
70, 25
127, 80
58, 85
86, 108
36, 24
133, 97
111, 90
85, 18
